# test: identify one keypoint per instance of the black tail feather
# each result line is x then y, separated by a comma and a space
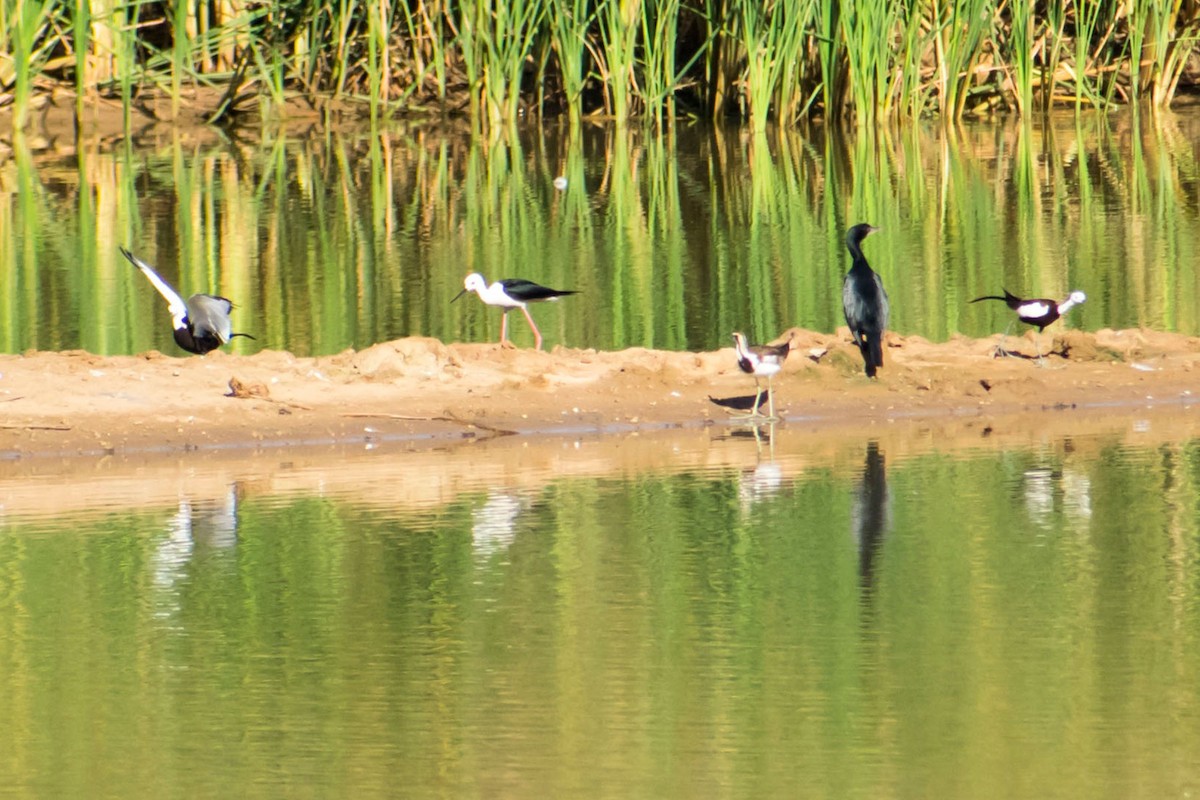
876, 359
871, 348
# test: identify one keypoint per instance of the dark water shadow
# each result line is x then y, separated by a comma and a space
743, 403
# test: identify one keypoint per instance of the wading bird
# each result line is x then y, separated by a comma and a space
1039, 312
201, 322
864, 301
761, 360
509, 294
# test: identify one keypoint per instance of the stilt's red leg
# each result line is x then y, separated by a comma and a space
537, 335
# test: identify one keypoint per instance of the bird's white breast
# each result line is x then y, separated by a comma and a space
1033, 309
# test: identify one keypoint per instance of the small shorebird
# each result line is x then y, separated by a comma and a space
511, 293
864, 301
201, 322
1039, 312
761, 360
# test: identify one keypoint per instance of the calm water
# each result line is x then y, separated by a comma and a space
334, 240
863, 618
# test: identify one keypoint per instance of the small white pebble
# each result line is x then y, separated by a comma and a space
676, 394
96, 373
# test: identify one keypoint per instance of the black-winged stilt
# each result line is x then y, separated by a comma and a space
1038, 312
761, 360
864, 301
511, 293
201, 322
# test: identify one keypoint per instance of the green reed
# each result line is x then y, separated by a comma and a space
495, 37
659, 78
1168, 46
569, 21
959, 30
619, 25
772, 37
27, 31
1090, 20
787, 60
1019, 54
868, 29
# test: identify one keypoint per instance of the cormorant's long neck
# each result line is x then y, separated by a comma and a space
856, 253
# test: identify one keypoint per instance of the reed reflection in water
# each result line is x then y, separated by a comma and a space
760, 613
346, 240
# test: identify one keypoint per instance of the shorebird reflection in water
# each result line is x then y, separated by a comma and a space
494, 524
761, 360
766, 479
511, 293
864, 301
201, 323
1038, 312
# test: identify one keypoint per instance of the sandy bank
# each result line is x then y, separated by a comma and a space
76, 403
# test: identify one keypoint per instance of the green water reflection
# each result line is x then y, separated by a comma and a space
345, 240
1019, 622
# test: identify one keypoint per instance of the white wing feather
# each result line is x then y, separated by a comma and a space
175, 301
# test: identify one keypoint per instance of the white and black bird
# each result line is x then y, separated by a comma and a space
864, 301
201, 322
511, 293
761, 361
1038, 312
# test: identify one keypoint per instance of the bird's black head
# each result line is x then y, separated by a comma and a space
859, 232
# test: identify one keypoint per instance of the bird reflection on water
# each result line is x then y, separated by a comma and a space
870, 513
211, 523
766, 478
494, 524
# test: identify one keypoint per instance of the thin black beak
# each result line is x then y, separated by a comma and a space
460, 294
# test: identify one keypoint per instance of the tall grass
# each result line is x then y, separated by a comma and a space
772, 37
788, 60
569, 21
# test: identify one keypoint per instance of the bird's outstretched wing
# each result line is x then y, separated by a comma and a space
175, 301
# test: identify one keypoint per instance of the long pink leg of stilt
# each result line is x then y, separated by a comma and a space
504, 328
537, 335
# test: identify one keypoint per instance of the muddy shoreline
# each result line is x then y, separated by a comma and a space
56, 405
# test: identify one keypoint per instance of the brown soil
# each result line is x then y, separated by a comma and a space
414, 389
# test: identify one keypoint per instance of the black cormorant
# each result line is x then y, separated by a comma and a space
864, 301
